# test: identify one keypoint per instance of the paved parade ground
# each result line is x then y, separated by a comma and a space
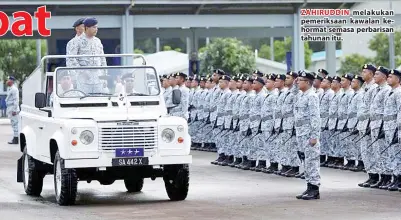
215, 193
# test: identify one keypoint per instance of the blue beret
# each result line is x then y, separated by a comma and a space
260, 80
257, 72
293, 74
348, 76
281, 76
383, 70
89, 22
307, 75
395, 72
359, 78
78, 22
369, 67
225, 77
11, 78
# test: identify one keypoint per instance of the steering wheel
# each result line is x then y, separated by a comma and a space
74, 90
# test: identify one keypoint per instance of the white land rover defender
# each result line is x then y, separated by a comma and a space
80, 131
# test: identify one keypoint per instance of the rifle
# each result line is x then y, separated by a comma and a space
344, 129
367, 132
381, 135
248, 133
292, 134
393, 141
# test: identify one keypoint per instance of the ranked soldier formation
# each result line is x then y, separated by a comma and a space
292, 124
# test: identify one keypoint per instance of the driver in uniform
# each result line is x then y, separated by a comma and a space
88, 81
65, 88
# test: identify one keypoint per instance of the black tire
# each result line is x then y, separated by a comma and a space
33, 185
69, 183
133, 184
176, 181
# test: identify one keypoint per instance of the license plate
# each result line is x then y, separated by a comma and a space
129, 152
136, 161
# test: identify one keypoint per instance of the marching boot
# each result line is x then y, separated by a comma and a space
340, 163
312, 193
205, 146
199, 146
378, 181
299, 175
219, 159
252, 168
327, 162
272, 168
214, 147
244, 160
396, 183
247, 166
13, 141
283, 170
386, 182
237, 161
349, 165
323, 160
308, 187
211, 147
261, 166
292, 172
229, 160
332, 163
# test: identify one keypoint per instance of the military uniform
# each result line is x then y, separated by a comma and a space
325, 133
181, 110
87, 80
207, 126
73, 44
195, 114
307, 125
13, 109
334, 145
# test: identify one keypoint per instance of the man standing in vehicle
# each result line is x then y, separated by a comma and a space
79, 29
88, 44
12, 101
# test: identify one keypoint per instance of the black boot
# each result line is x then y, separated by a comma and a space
244, 160
340, 163
272, 168
14, 141
349, 165
308, 187
323, 160
312, 193
367, 182
219, 159
261, 166
237, 161
332, 162
360, 167
299, 175
284, 169
229, 160
292, 172
396, 183
386, 182
378, 180
249, 165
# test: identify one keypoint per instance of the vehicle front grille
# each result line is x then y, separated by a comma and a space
112, 136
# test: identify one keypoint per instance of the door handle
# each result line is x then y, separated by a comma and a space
41, 128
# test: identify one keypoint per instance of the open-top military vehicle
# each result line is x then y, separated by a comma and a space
77, 130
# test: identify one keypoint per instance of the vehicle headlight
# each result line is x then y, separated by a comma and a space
168, 135
86, 137
180, 128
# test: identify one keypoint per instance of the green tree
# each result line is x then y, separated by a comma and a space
138, 51
380, 44
167, 48
229, 54
353, 63
281, 48
18, 58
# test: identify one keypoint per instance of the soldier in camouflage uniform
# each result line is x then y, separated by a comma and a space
317, 85
88, 44
13, 109
307, 125
288, 143
229, 123
276, 149
353, 152
221, 116
188, 84
342, 125
245, 131
79, 28
203, 112
198, 84
207, 126
395, 161
392, 108
333, 161
363, 126
256, 141
267, 126
217, 74
181, 110
324, 106
378, 141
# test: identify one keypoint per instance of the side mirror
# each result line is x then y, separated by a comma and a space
176, 96
40, 100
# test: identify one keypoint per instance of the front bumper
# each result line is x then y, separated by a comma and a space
105, 161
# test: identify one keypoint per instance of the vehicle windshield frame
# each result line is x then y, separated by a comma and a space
55, 79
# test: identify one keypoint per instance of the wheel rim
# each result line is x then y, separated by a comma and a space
58, 179
26, 170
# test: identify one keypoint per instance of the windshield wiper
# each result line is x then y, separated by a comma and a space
97, 93
138, 94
